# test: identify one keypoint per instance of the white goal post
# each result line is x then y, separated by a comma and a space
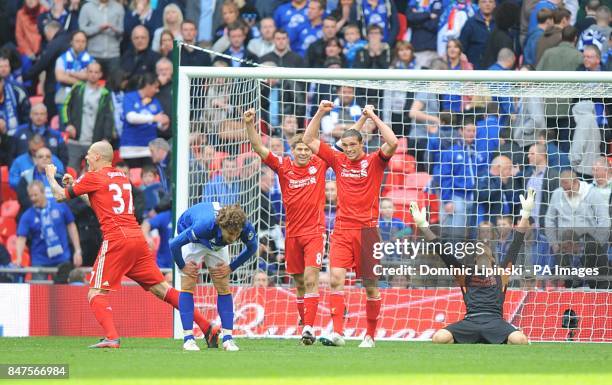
540, 309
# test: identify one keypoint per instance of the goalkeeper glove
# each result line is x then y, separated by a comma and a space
528, 203
419, 215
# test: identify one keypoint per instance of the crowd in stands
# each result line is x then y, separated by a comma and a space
73, 72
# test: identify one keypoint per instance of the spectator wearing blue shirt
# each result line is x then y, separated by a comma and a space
161, 222
458, 172
142, 116
71, 68
224, 187
53, 138
14, 107
353, 43
476, 31
382, 13
423, 17
37, 172
391, 228
545, 20
291, 17
312, 30
25, 161
47, 225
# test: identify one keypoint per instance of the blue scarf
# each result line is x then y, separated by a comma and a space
47, 232
9, 109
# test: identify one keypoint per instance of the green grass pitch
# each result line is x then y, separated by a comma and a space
277, 361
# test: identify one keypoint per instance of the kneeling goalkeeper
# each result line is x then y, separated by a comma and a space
483, 295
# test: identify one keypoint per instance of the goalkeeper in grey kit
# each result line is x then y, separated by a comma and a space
483, 295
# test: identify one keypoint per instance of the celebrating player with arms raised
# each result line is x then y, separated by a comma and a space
302, 182
124, 250
483, 295
359, 177
204, 231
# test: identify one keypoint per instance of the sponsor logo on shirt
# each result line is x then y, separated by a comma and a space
301, 183
353, 173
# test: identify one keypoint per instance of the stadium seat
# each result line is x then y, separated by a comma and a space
6, 192
11, 247
9, 209
135, 176
402, 163
417, 181
8, 227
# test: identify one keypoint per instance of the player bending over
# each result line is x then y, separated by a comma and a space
359, 177
124, 250
483, 296
302, 182
204, 231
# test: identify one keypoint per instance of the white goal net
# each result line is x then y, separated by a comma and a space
470, 143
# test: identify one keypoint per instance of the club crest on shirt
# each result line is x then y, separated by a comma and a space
364, 163
52, 142
55, 214
312, 170
153, 108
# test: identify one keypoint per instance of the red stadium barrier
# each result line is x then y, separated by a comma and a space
409, 314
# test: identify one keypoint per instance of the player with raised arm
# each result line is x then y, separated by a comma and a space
483, 295
124, 250
359, 177
204, 231
302, 182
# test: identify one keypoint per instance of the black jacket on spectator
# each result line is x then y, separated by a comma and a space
104, 127
136, 63
165, 99
289, 59
474, 37
195, 58
363, 59
505, 34
5, 150
315, 54
424, 28
89, 229
57, 46
492, 193
53, 141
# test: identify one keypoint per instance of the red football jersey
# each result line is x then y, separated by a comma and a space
110, 195
303, 190
358, 187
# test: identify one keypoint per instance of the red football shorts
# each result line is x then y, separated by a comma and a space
304, 251
352, 249
130, 257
